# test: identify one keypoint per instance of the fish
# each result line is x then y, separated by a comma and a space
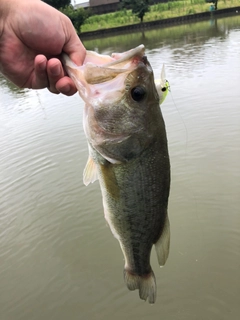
128, 155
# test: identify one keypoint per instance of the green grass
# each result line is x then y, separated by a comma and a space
157, 12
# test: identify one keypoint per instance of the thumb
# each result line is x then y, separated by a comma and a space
74, 47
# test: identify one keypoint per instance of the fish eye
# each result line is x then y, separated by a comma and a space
138, 93
164, 89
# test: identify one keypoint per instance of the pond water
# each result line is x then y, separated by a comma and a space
58, 259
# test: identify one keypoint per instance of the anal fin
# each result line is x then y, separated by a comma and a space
163, 244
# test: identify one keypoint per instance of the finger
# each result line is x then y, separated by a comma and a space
76, 53
40, 78
66, 86
55, 72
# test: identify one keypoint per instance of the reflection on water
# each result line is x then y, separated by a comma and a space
12, 89
193, 33
58, 258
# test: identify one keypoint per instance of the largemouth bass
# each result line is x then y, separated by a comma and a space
128, 154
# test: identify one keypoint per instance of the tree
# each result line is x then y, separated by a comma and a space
215, 3
58, 3
139, 7
77, 16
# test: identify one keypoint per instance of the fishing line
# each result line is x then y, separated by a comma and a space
41, 105
192, 192
184, 124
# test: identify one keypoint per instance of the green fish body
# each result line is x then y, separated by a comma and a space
128, 154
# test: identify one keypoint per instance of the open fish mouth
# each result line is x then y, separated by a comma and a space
99, 69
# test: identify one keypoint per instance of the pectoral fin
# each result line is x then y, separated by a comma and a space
163, 243
90, 172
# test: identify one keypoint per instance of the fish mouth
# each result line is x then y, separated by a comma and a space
119, 63
99, 72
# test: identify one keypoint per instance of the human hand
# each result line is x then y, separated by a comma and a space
32, 37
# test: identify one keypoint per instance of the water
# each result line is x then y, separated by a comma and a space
58, 259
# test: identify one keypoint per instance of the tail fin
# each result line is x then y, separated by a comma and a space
146, 285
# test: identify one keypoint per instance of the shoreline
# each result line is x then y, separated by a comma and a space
163, 22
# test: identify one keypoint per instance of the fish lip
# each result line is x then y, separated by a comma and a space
130, 54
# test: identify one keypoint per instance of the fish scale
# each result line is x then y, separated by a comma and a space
137, 215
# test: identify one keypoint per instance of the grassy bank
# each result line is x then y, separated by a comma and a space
157, 12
